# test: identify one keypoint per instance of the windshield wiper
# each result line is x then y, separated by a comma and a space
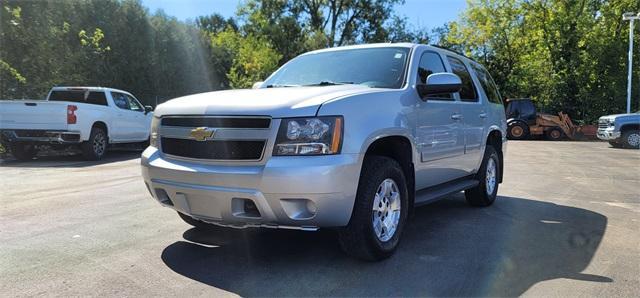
280, 86
330, 83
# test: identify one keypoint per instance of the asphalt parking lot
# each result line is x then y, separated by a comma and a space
567, 223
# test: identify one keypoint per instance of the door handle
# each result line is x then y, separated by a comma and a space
456, 117
483, 115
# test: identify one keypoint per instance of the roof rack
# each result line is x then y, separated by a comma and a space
454, 51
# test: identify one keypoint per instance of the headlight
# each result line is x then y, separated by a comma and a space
309, 136
153, 137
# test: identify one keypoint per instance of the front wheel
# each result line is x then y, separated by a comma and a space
96, 146
379, 213
631, 139
23, 152
487, 190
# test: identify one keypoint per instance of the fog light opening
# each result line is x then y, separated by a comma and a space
250, 209
299, 209
163, 197
245, 208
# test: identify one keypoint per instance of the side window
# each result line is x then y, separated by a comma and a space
97, 98
120, 100
488, 84
468, 92
134, 105
431, 63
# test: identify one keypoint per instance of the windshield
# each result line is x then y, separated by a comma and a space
373, 67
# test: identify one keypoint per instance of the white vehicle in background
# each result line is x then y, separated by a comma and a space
89, 117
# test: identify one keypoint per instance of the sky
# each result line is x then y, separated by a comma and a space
420, 13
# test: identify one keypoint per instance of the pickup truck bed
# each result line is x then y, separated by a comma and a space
73, 116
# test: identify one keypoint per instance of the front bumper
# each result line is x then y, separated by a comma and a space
608, 134
41, 136
298, 192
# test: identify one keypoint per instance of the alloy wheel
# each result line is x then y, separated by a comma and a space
386, 210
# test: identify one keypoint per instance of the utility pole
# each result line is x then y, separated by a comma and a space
631, 17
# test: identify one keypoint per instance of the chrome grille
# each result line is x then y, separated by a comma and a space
603, 124
232, 138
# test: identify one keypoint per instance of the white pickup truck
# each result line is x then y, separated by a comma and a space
89, 117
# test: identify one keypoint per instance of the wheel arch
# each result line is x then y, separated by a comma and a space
495, 140
103, 125
401, 149
629, 126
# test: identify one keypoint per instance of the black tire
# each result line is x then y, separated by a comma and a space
631, 138
615, 144
96, 147
479, 196
554, 134
359, 238
23, 152
517, 131
197, 223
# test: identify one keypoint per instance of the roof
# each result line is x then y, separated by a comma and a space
387, 45
91, 88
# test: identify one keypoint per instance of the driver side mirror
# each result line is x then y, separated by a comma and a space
148, 109
439, 83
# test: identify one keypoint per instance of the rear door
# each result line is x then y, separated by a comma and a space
439, 134
473, 113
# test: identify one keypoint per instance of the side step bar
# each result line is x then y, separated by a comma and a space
434, 193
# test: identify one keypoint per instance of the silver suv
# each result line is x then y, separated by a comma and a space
350, 138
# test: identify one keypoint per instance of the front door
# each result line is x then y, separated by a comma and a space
124, 127
439, 131
140, 125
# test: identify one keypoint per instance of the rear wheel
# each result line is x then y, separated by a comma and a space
518, 131
487, 190
23, 152
379, 213
631, 138
96, 146
554, 134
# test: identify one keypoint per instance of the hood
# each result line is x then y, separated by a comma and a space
274, 102
620, 116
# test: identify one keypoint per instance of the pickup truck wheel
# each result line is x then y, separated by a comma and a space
96, 146
631, 139
23, 152
486, 192
517, 131
379, 213
198, 223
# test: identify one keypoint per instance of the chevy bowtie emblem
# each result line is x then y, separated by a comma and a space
201, 133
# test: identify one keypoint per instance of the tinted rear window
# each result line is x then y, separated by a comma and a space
93, 97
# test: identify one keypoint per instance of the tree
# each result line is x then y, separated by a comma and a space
567, 55
252, 58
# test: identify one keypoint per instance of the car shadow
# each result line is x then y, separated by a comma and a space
448, 249
71, 160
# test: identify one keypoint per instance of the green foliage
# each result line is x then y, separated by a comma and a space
253, 58
567, 55
104, 43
